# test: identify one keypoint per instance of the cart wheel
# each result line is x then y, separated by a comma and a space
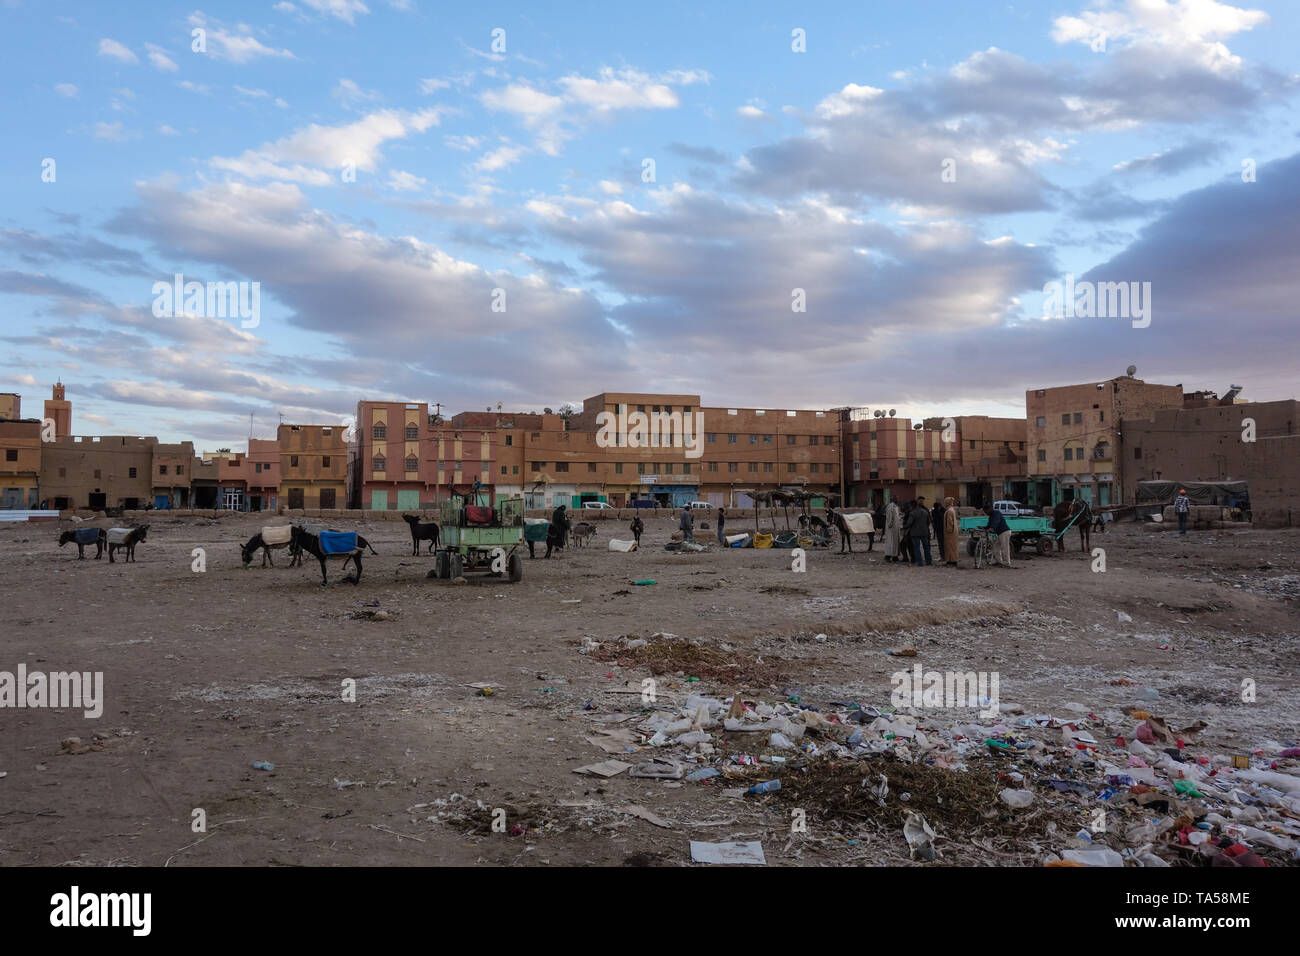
1016, 545
440, 565
1044, 544
456, 567
515, 567
970, 546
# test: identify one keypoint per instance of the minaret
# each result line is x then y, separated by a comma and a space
60, 410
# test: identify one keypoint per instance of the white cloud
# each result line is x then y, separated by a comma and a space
432, 85
499, 158
112, 132
253, 93
522, 99
751, 112
165, 130
116, 51
404, 181
201, 88
349, 93
625, 89
610, 188
463, 143
344, 10
239, 47
66, 89
159, 58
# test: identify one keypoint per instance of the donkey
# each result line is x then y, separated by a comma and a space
304, 540
817, 528
836, 519
268, 539
82, 537
1078, 512
126, 539
422, 531
583, 532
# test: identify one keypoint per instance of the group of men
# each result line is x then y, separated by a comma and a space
907, 531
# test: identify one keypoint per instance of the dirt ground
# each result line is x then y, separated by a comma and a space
207, 673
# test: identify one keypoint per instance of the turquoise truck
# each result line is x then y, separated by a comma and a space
1035, 532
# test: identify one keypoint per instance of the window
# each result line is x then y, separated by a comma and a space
753, 467
591, 467
815, 468
618, 468
1021, 445
180, 469
710, 437
753, 439
731, 467
63, 473
130, 472
767, 467
162, 469
379, 431
1042, 454
514, 469
791, 440
767, 439
412, 432
378, 464
412, 463
539, 465
325, 461
731, 439
503, 469
1065, 419
934, 463
855, 438
640, 408
920, 463
1078, 418
1101, 416
1069, 454
324, 431
656, 408
686, 409
510, 440
640, 468
713, 466
972, 444
790, 468
293, 461
458, 466
257, 467
668, 468
561, 466
901, 463
1042, 422
812, 439
759, 411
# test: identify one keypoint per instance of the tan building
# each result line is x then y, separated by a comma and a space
1075, 445
20, 456
97, 472
313, 466
11, 406
171, 474
1254, 442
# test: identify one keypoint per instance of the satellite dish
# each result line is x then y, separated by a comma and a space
892, 413
918, 426
1132, 370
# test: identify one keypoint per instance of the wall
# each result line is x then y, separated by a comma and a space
69, 468
20, 478
313, 459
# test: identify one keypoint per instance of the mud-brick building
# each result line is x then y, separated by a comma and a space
313, 466
20, 456
97, 472
172, 464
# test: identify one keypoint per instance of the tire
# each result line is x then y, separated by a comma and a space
515, 568
456, 567
1016, 545
981, 555
1044, 544
440, 565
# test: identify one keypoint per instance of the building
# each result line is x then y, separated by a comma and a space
1216, 443
97, 472
172, 465
1075, 443
263, 462
313, 466
393, 462
59, 410
20, 456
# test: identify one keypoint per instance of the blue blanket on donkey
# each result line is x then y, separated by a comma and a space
85, 535
338, 542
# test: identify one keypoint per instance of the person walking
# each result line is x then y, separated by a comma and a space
936, 519
687, 525
893, 528
998, 526
722, 523
637, 527
951, 532
558, 535
1182, 507
918, 520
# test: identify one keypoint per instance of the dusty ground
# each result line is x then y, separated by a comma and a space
206, 673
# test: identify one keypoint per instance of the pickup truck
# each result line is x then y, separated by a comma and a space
1014, 509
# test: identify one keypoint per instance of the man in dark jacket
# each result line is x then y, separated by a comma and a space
918, 529
722, 521
687, 525
936, 519
558, 536
998, 526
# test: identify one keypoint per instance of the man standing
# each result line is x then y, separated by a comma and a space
893, 528
1182, 507
951, 532
998, 526
687, 525
722, 521
918, 520
558, 535
936, 519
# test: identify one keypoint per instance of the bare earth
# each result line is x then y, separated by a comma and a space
206, 673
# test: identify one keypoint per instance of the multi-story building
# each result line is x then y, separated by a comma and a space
20, 456
313, 466
1255, 442
263, 461
1075, 443
97, 472
59, 411
393, 463
171, 474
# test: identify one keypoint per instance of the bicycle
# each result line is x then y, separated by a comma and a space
981, 547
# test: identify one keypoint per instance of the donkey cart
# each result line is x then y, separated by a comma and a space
480, 539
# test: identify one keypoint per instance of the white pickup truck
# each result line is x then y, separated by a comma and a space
1013, 509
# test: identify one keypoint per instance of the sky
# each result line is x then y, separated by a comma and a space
766, 205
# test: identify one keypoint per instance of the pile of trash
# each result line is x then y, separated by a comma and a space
1121, 789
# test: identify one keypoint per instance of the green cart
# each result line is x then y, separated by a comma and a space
479, 538
1036, 533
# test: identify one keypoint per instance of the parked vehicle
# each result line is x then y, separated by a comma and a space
596, 506
645, 503
1014, 509
701, 506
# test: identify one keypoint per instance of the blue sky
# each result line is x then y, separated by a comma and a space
1105, 140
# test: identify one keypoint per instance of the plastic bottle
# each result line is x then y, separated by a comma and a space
767, 786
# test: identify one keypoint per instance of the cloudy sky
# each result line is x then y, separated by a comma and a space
482, 203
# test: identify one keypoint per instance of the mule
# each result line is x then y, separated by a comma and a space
82, 537
126, 539
583, 532
836, 519
268, 539
306, 541
422, 531
1078, 512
